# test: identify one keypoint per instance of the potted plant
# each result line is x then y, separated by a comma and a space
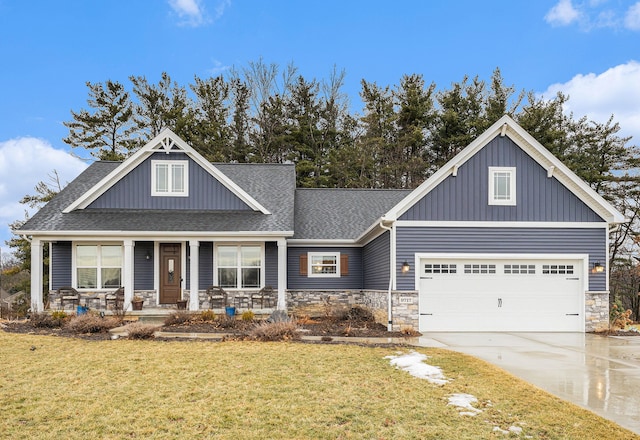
182, 304
136, 302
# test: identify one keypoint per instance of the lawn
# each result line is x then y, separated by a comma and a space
54, 387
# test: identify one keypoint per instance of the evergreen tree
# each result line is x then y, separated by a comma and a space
107, 131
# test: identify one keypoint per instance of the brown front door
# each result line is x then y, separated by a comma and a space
170, 273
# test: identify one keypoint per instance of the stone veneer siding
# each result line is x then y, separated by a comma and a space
596, 311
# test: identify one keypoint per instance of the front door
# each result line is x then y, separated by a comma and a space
170, 272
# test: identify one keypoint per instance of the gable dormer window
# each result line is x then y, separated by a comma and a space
170, 178
502, 186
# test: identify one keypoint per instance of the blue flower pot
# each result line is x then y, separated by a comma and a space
230, 311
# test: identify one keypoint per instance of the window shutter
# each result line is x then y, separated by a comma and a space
303, 264
344, 264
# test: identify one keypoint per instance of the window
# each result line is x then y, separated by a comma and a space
440, 268
523, 269
170, 178
502, 186
324, 264
479, 268
98, 266
557, 269
239, 266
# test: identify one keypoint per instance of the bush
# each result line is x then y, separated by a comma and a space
91, 323
619, 318
178, 318
44, 320
208, 315
275, 331
248, 315
138, 330
358, 314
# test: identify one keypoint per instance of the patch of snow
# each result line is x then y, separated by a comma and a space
413, 363
511, 430
463, 402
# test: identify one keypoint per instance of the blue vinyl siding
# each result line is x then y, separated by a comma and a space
412, 240
271, 264
351, 281
133, 191
205, 262
376, 260
143, 268
465, 197
61, 265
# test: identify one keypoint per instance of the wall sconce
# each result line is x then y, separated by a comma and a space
597, 267
147, 256
405, 267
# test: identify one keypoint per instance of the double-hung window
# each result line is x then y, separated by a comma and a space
170, 178
239, 266
502, 186
324, 264
98, 266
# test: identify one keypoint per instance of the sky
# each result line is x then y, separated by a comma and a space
49, 50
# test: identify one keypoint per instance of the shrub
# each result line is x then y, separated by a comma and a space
91, 323
248, 315
178, 318
618, 317
409, 331
208, 315
138, 330
275, 331
44, 320
358, 314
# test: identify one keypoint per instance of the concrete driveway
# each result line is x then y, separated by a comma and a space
599, 373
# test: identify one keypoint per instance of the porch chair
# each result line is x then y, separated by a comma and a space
265, 296
116, 298
68, 294
217, 297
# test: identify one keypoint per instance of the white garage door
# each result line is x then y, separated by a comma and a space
501, 295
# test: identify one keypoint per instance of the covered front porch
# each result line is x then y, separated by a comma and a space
161, 271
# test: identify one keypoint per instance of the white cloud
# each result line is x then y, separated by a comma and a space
632, 18
598, 96
192, 12
562, 14
218, 68
23, 163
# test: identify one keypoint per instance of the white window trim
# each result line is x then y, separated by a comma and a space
216, 282
512, 186
74, 273
310, 273
170, 193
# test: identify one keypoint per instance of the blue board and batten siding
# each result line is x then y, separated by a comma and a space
353, 280
133, 191
465, 196
60, 258
376, 257
143, 268
548, 241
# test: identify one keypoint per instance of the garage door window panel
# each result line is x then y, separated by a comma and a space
480, 268
440, 268
557, 269
520, 269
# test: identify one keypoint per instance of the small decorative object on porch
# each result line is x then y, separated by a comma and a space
230, 311
136, 303
182, 304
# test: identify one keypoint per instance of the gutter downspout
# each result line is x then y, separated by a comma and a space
391, 276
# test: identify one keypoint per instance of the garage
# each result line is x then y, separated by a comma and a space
501, 293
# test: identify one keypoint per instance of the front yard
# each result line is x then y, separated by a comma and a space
54, 387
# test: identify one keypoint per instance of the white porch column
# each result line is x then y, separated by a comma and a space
36, 276
194, 280
282, 273
127, 274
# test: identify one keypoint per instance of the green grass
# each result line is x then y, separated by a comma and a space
69, 388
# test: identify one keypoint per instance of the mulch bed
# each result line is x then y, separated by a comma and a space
328, 328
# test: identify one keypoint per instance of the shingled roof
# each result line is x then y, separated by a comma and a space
272, 185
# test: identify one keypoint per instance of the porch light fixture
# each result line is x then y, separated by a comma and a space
598, 267
147, 256
405, 267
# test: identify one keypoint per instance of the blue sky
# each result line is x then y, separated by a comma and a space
49, 49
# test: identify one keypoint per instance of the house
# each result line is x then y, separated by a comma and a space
504, 237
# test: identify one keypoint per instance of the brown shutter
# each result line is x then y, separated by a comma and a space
303, 264
344, 264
